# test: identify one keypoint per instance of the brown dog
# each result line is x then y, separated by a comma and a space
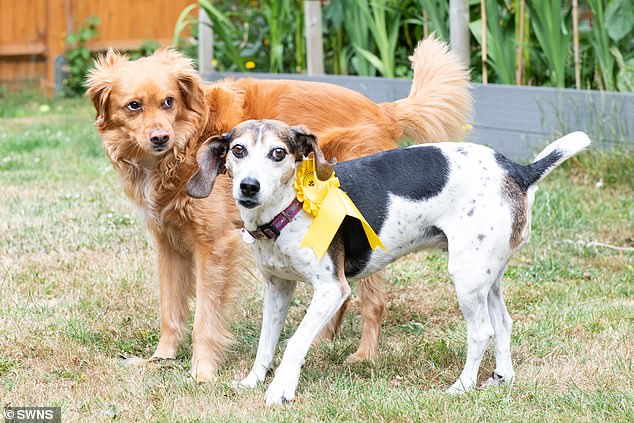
154, 113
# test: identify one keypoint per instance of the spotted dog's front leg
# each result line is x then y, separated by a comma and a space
327, 298
277, 297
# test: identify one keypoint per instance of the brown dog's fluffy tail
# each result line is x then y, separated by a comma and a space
438, 107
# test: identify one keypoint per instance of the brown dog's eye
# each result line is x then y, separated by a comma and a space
278, 154
134, 106
168, 103
239, 151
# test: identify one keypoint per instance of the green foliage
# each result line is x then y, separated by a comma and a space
500, 40
437, 17
147, 48
265, 36
384, 20
375, 37
619, 19
78, 56
548, 19
356, 27
601, 45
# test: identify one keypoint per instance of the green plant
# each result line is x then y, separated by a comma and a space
384, 21
437, 17
276, 13
500, 40
601, 45
78, 56
147, 48
337, 50
550, 29
224, 33
356, 27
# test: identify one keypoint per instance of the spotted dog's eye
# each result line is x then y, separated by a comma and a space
134, 106
168, 103
239, 151
278, 154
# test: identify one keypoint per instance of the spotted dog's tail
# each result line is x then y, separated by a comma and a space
549, 158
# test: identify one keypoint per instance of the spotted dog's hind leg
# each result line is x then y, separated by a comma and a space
474, 271
502, 325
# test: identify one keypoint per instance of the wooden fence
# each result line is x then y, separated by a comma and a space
33, 32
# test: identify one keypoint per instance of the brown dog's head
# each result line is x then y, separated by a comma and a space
145, 107
261, 156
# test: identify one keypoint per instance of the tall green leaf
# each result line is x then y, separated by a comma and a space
500, 43
601, 45
437, 17
555, 41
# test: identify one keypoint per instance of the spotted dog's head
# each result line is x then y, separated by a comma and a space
260, 156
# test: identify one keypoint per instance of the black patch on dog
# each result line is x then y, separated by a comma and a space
417, 173
527, 175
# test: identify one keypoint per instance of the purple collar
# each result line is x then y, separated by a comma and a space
272, 230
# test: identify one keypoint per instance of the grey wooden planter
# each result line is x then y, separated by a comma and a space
516, 121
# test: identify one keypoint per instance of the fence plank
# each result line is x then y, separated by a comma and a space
27, 27
314, 41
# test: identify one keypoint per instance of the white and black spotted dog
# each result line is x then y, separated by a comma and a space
464, 198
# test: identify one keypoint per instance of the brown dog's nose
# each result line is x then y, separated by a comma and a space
159, 137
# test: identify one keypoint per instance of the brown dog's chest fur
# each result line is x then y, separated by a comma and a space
168, 211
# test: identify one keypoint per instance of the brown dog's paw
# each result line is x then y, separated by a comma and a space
359, 357
203, 372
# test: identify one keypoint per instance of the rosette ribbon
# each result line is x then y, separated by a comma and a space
330, 205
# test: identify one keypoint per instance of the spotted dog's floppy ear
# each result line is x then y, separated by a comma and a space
211, 163
307, 143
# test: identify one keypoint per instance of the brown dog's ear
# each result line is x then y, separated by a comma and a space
307, 143
211, 163
99, 83
188, 80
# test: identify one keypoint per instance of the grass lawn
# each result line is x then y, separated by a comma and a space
77, 277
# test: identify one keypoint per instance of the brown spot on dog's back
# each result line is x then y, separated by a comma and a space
519, 206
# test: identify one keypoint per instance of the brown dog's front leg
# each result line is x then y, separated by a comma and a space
175, 289
214, 293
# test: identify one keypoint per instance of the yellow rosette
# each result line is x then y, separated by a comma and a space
330, 205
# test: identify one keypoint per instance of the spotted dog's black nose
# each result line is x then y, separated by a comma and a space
249, 187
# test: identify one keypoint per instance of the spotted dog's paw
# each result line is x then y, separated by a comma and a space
497, 380
459, 388
249, 382
279, 394
282, 388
